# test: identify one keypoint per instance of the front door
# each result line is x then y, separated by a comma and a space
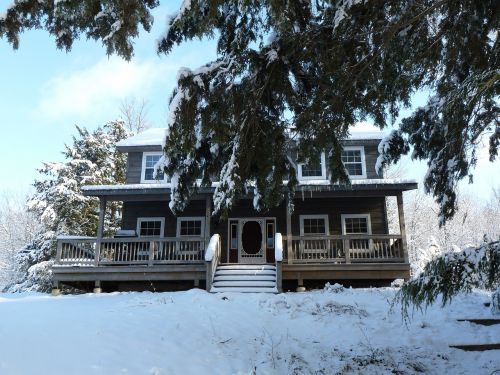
252, 245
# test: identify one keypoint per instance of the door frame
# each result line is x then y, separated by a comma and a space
264, 220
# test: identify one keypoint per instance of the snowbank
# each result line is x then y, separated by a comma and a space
331, 331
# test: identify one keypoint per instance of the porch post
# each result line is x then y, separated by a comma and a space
100, 228
402, 227
208, 215
55, 288
289, 232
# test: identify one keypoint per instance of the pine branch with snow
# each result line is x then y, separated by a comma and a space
450, 274
306, 70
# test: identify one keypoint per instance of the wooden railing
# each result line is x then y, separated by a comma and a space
126, 251
278, 256
212, 259
346, 249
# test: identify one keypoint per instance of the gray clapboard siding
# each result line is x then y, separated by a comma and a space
134, 166
134, 160
371, 155
134, 210
335, 207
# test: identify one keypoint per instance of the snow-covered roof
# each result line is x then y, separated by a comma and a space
126, 187
156, 137
400, 183
149, 137
363, 181
355, 136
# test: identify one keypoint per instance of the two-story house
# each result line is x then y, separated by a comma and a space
335, 232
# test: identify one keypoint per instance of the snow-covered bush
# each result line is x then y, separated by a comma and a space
29, 275
335, 288
17, 228
420, 257
451, 273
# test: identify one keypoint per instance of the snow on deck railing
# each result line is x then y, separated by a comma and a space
278, 247
212, 247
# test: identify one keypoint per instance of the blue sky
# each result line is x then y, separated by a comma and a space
45, 92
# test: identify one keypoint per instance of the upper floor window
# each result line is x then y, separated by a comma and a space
314, 169
150, 226
190, 226
149, 160
353, 158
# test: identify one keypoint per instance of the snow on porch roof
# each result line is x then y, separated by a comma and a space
156, 136
164, 188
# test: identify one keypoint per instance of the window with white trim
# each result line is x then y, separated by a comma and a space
149, 160
313, 225
356, 224
314, 169
190, 226
353, 158
150, 226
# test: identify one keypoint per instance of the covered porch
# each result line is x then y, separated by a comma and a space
329, 256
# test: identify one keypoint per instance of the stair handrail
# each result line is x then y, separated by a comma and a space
212, 259
278, 257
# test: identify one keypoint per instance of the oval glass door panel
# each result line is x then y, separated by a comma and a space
251, 237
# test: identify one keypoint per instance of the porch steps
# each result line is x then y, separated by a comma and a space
245, 278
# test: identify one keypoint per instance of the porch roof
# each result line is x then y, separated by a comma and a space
161, 191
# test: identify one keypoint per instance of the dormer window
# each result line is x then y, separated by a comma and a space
353, 158
314, 169
149, 160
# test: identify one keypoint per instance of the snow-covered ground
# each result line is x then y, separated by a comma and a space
351, 331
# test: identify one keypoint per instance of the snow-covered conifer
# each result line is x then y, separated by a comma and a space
92, 159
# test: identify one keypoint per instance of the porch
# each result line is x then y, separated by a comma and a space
337, 233
156, 259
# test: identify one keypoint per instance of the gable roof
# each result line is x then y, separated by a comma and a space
152, 139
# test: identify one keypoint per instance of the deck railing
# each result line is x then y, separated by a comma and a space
126, 251
345, 249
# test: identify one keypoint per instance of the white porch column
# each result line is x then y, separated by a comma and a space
100, 228
402, 228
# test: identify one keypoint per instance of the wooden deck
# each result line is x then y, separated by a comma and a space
367, 257
344, 271
178, 272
